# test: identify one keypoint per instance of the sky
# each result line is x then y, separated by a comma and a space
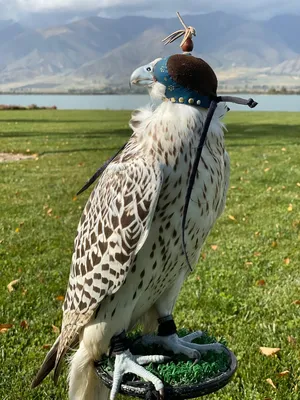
257, 9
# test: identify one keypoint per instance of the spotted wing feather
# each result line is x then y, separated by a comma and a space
114, 226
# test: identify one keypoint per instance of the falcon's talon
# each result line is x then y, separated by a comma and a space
127, 363
184, 345
143, 360
192, 336
195, 361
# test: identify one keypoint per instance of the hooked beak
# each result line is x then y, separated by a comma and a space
141, 77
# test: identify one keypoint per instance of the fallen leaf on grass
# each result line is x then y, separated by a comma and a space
74, 198
257, 254
17, 230
295, 224
55, 329
261, 282
267, 169
203, 256
46, 346
274, 243
248, 263
11, 285
49, 212
290, 208
60, 298
5, 327
24, 324
284, 373
269, 351
292, 340
270, 382
232, 217
214, 247
298, 184
297, 302
283, 149
296, 388
287, 261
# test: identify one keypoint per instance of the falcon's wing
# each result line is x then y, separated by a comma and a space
113, 228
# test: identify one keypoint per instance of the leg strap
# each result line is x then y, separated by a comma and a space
118, 344
166, 326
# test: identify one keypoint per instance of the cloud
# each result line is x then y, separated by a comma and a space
258, 9
115, 8
49, 5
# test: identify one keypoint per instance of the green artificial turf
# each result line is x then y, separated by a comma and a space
179, 370
245, 287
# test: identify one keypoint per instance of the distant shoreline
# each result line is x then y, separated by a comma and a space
88, 93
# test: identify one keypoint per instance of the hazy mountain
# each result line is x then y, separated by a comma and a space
287, 27
43, 20
119, 63
97, 52
288, 67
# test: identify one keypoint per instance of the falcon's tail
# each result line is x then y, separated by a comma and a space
48, 364
84, 384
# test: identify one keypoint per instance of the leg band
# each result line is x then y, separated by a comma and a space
118, 343
166, 326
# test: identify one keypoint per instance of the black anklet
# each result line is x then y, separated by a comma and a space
118, 344
166, 326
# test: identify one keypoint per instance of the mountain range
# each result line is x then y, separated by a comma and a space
94, 53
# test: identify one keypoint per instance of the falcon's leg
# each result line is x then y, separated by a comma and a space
125, 363
167, 332
168, 338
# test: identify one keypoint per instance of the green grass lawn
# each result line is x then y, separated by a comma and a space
246, 281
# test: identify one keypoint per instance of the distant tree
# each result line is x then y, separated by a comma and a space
283, 90
272, 90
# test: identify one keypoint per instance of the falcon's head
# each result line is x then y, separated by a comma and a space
144, 76
181, 78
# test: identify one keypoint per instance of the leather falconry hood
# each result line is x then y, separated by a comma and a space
193, 73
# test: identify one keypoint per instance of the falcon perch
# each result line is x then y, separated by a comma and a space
128, 265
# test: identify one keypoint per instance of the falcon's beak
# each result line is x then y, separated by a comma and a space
142, 77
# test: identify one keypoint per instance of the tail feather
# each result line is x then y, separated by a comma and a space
58, 364
47, 366
84, 384
68, 339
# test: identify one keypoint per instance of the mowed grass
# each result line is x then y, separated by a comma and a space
243, 288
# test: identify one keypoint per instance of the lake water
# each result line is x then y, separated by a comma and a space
129, 102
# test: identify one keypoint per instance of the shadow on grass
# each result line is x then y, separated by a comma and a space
94, 134
106, 149
259, 131
59, 121
252, 132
